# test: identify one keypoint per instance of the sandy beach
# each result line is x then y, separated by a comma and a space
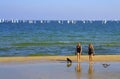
84, 58
40, 69
53, 70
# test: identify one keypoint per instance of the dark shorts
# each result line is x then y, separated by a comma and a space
78, 51
90, 53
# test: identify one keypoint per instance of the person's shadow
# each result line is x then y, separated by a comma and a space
90, 71
78, 70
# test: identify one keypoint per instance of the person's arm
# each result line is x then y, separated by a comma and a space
88, 49
93, 52
81, 50
76, 50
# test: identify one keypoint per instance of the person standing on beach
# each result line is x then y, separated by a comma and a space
90, 52
79, 51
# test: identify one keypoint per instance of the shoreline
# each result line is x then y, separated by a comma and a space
84, 58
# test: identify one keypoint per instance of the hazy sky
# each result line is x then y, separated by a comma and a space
60, 9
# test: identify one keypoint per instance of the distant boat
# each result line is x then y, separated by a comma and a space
48, 21
17, 21
84, 22
41, 21
68, 21
24, 21
0, 21
59, 22
30, 21
34, 21
13, 21
73, 22
104, 22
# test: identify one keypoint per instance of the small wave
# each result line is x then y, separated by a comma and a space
44, 43
112, 44
5, 49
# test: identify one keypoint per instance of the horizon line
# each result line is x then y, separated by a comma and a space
65, 19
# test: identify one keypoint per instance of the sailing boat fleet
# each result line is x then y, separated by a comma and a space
49, 21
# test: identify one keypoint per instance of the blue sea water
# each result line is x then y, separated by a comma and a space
54, 38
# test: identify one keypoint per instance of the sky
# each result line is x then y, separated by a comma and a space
60, 9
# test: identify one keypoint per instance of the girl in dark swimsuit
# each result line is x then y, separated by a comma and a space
91, 52
79, 51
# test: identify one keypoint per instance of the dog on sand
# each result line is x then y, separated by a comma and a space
69, 60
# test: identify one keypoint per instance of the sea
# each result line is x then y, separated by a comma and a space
58, 37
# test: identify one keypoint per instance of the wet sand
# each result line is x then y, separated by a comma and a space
60, 70
52, 67
84, 58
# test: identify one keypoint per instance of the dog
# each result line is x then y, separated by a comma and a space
69, 60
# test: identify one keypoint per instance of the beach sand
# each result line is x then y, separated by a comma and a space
41, 68
59, 70
84, 58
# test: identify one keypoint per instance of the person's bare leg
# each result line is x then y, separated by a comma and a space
91, 58
78, 56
